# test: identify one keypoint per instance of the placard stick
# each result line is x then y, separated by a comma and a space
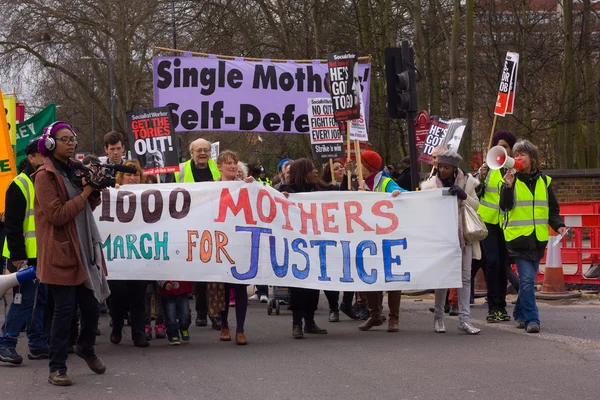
157, 178
492, 133
333, 182
348, 153
361, 185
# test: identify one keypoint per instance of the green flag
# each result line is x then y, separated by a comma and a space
33, 128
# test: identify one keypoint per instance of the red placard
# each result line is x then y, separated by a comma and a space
422, 125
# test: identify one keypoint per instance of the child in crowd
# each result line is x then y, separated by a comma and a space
177, 310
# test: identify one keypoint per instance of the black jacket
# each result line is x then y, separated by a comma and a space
16, 207
528, 247
405, 180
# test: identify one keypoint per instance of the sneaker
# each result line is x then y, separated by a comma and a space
467, 327
438, 325
201, 322
148, 332
264, 299
520, 325
533, 328
10, 356
363, 313
453, 311
503, 315
159, 331
38, 354
254, 297
492, 317
334, 316
185, 336
215, 323
174, 341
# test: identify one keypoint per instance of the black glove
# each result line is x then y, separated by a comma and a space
458, 192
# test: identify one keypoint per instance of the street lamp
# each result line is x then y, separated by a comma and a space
112, 86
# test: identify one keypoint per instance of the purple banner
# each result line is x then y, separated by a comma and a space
206, 93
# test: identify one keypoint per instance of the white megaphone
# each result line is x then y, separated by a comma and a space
17, 278
498, 158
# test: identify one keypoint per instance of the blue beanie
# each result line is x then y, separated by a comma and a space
281, 163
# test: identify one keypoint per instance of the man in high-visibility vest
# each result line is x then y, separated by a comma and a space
494, 245
262, 176
20, 250
200, 168
377, 180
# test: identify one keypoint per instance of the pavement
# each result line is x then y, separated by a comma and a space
562, 362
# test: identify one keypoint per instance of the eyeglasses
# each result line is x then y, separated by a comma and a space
67, 139
200, 151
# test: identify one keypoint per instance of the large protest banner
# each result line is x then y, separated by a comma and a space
33, 128
208, 93
251, 234
152, 140
325, 137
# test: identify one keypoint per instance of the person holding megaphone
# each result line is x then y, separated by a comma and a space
530, 205
494, 246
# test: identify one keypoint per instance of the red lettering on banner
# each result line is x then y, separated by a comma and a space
243, 204
328, 219
285, 208
259, 206
376, 210
355, 216
306, 216
206, 247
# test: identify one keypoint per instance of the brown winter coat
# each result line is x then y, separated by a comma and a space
59, 258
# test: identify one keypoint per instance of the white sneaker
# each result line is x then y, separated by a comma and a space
264, 299
254, 297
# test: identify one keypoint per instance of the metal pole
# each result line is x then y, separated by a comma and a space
173, 24
112, 93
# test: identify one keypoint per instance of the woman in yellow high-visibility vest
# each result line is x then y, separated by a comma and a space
531, 206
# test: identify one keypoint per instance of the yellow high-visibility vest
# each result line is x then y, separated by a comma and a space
188, 176
26, 185
489, 204
530, 213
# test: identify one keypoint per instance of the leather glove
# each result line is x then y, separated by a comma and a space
458, 192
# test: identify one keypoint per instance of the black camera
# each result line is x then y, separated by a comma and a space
99, 175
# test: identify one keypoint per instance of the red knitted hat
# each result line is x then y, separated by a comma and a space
371, 160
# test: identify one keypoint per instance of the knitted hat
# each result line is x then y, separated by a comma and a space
449, 157
55, 127
371, 160
281, 163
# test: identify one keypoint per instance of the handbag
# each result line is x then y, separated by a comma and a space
474, 229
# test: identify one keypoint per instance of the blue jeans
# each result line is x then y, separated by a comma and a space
177, 314
525, 309
20, 314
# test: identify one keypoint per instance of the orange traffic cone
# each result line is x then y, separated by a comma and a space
554, 287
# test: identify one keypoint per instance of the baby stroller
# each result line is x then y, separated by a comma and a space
278, 295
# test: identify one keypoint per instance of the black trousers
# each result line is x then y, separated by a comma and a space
496, 255
201, 295
333, 297
128, 296
304, 303
66, 301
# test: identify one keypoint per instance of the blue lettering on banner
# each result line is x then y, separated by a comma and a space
346, 261
360, 264
255, 243
388, 260
323, 256
279, 270
300, 274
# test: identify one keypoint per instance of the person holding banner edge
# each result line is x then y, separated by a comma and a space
525, 195
200, 168
462, 186
494, 245
377, 180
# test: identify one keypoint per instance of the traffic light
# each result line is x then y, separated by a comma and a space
401, 82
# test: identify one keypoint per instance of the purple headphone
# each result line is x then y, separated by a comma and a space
47, 143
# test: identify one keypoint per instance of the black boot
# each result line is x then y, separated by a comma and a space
312, 327
297, 330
